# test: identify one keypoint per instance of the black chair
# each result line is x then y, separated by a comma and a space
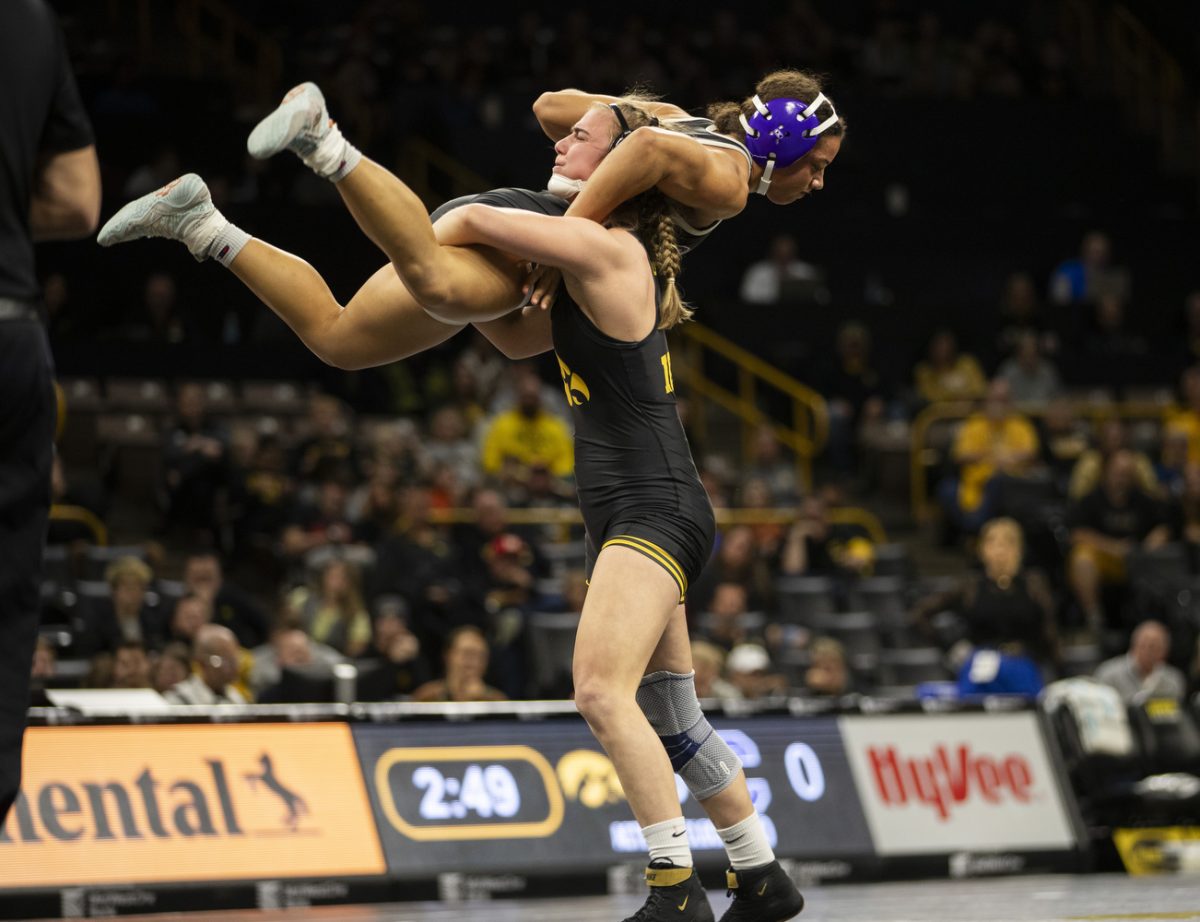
912, 666
893, 560
886, 597
1169, 736
551, 640
1162, 567
804, 599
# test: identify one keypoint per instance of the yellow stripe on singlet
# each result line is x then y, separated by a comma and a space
655, 553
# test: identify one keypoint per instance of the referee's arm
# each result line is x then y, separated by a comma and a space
66, 196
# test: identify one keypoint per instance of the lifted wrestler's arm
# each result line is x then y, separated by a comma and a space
713, 182
557, 111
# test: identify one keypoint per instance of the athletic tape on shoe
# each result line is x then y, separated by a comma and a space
697, 753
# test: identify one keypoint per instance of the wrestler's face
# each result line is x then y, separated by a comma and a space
580, 152
806, 175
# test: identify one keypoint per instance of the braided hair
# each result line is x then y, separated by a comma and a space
648, 215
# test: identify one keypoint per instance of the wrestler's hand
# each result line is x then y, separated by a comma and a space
543, 282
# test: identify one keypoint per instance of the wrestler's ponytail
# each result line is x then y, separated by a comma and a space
657, 229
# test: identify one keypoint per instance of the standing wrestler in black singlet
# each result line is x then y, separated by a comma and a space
650, 531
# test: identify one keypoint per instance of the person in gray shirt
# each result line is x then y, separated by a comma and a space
1143, 672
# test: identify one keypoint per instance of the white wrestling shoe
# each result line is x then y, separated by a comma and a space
300, 123
181, 210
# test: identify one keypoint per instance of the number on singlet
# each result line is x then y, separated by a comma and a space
668, 375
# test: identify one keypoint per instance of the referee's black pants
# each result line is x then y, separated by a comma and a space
27, 417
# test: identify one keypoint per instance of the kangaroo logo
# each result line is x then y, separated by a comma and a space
293, 802
576, 388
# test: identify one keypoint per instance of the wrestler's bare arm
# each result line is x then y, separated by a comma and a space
559, 110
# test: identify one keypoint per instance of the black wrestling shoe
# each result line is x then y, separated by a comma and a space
676, 895
763, 894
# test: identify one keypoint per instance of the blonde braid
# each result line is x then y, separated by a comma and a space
657, 229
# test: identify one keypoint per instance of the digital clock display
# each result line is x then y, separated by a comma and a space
469, 792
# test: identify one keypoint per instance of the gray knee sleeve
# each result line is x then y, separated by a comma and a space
698, 754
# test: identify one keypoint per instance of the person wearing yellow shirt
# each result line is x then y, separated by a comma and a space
996, 441
528, 435
947, 374
1185, 422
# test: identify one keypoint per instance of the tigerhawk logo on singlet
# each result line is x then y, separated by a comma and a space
576, 388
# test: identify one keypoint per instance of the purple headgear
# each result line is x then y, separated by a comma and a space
782, 131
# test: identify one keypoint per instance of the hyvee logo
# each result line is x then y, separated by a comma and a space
202, 803
950, 776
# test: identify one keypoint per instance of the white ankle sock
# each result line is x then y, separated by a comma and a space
215, 237
334, 157
668, 841
746, 843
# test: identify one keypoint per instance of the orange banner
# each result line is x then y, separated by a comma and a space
151, 804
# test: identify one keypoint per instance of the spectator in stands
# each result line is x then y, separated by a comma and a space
528, 434
748, 668
1089, 276
736, 561
814, 546
290, 648
430, 572
1032, 378
1143, 672
1170, 470
768, 535
1185, 421
519, 377
192, 612
1185, 508
783, 278
1106, 525
827, 676
1064, 440
333, 612
170, 667
724, 623
1021, 314
467, 395
265, 493
708, 660
196, 471
321, 524
1110, 340
450, 444
1113, 436
767, 463
41, 674
992, 444
131, 666
854, 391
125, 615
485, 369
376, 506
1004, 607
946, 374
396, 648
466, 662
203, 576
542, 490
160, 320
328, 447
216, 657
